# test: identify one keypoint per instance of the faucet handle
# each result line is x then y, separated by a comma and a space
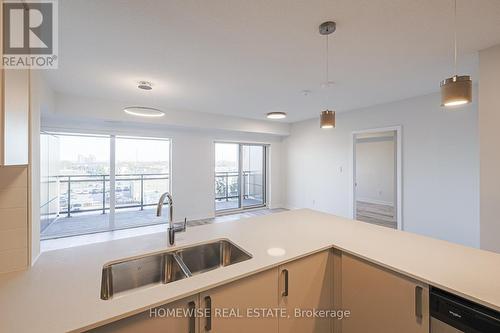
182, 227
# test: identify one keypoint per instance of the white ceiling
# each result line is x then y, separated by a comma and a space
246, 58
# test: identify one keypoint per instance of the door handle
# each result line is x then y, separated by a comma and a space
192, 317
208, 313
418, 301
285, 282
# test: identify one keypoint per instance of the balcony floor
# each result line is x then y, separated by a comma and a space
92, 222
233, 204
84, 223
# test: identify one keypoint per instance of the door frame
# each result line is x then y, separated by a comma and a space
265, 169
399, 170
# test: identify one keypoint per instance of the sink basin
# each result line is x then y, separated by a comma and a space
133, 273
206, 257
169, 266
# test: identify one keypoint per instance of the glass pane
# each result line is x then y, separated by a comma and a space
226, 176
253, 176
74, 184
142, 175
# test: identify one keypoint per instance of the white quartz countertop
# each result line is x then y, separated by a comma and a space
61, 292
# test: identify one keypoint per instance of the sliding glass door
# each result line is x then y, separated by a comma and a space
78, 182
94, 183
240, 176
253, 173
227, 176
142, 169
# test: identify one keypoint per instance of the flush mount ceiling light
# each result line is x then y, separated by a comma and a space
144, 85
456, 90
142, 111
327, 117
276, 115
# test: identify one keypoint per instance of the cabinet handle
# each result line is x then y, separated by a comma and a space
192, 317
208, 313
418, 301
285, 276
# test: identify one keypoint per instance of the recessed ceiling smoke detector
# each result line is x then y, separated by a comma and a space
276, 115
145, 85
143, 111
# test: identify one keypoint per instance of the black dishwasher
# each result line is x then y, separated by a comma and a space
453, 314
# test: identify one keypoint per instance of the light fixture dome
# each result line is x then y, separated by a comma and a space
143, 111
456, 90
276, 115
327, 119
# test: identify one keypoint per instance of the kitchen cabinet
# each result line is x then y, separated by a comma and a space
159, 319
14, 114
306, 284
381, 301
229, 305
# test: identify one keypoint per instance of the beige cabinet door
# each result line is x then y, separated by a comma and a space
229, 304
307, 285
15, 116
176, 317
382, 301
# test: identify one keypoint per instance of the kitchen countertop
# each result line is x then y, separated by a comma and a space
61, 292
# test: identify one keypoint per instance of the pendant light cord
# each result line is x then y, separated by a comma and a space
326, 72
455, 37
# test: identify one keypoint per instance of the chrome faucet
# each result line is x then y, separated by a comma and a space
172, 229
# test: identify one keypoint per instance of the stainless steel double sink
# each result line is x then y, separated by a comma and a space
168, 266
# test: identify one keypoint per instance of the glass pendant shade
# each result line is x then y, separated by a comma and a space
327, 119
456, 90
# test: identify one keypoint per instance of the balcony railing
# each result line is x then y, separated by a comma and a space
90, 193
226, 185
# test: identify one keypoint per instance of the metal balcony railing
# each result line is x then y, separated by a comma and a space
88, 193
226, 185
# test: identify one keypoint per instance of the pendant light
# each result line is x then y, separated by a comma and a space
456, 90
327, 117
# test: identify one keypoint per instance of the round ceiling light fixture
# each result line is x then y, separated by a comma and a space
145, 85
143, 111
276, 115
456, 90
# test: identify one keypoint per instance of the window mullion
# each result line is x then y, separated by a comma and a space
112, 181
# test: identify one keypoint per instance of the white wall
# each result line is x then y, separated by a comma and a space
192, 155
375, 167
41, 100
489, 120
440, 165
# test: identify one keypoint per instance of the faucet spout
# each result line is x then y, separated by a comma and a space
172, 229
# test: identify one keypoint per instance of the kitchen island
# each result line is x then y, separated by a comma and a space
61, 292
